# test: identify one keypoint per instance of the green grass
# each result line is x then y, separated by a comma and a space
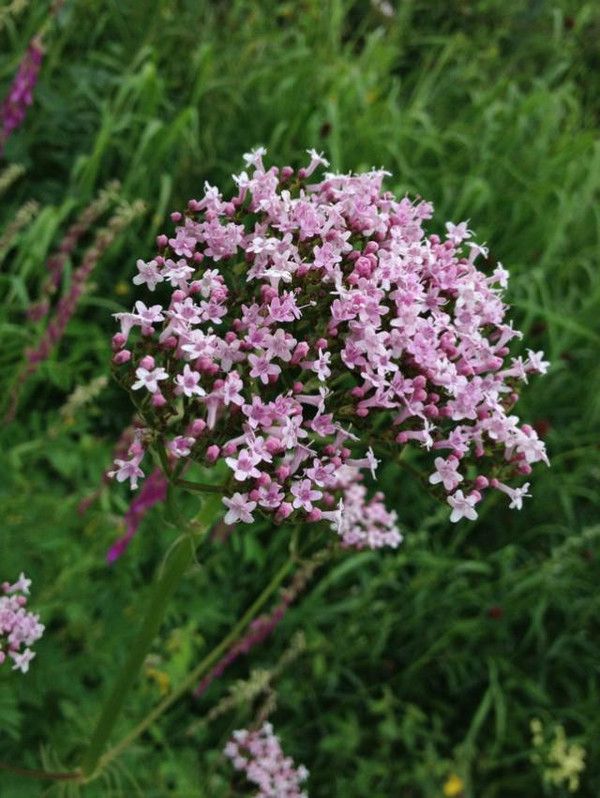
489, 109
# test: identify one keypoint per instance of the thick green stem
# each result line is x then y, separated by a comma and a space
154, 611
193, 677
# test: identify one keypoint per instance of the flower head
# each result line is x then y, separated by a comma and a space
19, 629
260, 756
312, 327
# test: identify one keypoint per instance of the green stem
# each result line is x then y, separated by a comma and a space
154, 612
43, 775
200, 487
194, 676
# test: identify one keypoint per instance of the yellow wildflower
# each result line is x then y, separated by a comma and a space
161, 678
454, 786
121, 288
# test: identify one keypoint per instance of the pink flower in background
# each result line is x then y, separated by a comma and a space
19, 628
67, 304
361, 522
20, 94
260, 756
153, 491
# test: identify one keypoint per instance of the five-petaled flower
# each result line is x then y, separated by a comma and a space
239, 508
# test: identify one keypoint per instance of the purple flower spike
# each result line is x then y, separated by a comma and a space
20, 94
153, 492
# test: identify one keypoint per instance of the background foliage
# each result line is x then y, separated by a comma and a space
419, 664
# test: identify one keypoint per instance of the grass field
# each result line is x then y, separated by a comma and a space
404, 674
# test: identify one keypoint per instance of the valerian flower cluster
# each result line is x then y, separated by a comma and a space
19, 628
300, 327
259, 755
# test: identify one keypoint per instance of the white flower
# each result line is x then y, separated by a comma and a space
462, 506
239, 509
149, 378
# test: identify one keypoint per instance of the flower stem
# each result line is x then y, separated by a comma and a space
192, 678
155, 608
200, 487
43, 775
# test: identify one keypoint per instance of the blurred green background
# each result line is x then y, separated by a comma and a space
421, 669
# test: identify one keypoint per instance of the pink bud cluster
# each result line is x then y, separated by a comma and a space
297, 322
19, 628
260, 756
20, 94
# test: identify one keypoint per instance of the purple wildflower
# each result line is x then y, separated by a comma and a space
20, 94
154, 491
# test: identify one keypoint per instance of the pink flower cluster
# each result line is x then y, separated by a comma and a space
259, 755
19, 628
20, 94
297, 322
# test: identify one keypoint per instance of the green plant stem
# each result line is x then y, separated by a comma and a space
42, 775
199, 487
193, 677
154, 612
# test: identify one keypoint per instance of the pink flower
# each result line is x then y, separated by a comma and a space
304, 495
370, 462
280, 345
536, 362
446, 472
462, 506
284, 308
315, 314
232, 390
181, 446
148, 274
321, 365
149, 378
458, 232
262, 368
19, 628
127, 469
516, 495
244, 465
363, 523
22, 585
260, 756
188, 382
239, 508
